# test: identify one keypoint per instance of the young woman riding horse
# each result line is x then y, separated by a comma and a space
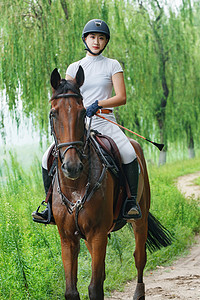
84, 193
101, 76
84, 190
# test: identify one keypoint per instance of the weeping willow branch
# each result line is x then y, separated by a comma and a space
65, 9
163, 58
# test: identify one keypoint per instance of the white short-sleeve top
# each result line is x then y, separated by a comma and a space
98, 72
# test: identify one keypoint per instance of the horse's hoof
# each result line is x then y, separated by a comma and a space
139, 292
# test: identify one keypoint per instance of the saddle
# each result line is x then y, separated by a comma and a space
108, 153
107, 149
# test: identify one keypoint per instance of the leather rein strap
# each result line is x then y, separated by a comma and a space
78, 205
66, 96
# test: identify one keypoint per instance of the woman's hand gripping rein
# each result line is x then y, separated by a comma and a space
92, 109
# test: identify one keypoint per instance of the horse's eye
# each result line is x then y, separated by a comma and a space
53, 113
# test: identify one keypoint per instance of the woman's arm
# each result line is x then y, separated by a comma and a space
120, 92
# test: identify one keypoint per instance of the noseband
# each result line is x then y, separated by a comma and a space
69, 145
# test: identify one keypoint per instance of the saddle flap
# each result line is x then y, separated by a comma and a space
110, 147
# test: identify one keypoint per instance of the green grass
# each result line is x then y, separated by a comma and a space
197, 181
30, 253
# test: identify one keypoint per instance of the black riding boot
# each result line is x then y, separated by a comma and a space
131, 209
45, 216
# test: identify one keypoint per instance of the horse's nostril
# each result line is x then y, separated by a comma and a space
72, 170
65, 166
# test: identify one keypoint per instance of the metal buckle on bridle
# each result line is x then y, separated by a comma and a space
78, 205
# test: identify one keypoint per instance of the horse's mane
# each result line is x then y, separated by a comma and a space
67, 85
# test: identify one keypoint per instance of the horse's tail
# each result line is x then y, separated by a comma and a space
158, 235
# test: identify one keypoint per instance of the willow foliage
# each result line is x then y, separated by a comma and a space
39, 35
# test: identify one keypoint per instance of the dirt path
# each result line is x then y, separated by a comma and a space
180, 281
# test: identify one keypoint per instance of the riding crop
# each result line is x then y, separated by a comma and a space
159, 146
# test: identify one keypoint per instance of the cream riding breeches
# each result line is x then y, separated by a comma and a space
126, 150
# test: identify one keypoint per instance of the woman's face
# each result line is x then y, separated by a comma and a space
96, 42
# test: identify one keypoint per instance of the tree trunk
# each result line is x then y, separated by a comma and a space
163, 58
64, 7
163, 153
191, 152
162, 158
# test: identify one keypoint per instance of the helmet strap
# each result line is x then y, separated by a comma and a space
88, 49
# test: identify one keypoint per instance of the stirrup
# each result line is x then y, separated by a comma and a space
125, 214
50, 219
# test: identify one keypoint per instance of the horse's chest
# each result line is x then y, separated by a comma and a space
76, 196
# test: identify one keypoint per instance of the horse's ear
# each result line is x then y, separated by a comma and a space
55, 79
80, 77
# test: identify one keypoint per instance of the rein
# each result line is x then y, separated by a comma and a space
78, 205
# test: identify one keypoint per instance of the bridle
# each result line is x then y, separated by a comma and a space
69, 145
89, 192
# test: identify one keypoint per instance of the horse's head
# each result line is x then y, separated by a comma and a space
67, 122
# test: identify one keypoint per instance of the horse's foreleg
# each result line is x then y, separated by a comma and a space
97, 248
140, 258
70, 252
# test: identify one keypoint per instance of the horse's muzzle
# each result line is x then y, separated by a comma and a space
72, 170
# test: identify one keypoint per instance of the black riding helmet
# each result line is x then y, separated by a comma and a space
95, 26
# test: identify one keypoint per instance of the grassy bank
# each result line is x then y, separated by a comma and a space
30, 254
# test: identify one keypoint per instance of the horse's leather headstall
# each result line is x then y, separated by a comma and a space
66, 96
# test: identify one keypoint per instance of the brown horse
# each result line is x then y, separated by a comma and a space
85, 191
